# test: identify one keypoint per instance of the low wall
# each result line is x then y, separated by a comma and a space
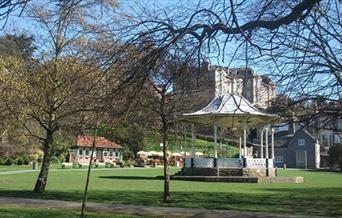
228, 172
259, 172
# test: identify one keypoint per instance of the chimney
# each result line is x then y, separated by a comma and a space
292, 125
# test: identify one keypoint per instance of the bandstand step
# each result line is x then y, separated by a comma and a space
241, 179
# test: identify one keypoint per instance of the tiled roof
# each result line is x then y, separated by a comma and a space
100, 142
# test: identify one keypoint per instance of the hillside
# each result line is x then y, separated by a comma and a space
153, 139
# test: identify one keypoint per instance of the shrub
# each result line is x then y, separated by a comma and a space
54, 159
20, 161
335, 156
2, 161
9, 161
26, 160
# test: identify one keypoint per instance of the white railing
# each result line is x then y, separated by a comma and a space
204, 162
256, 163
229, 162
187, 162
252, 163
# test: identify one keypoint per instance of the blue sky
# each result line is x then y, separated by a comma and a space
22, 25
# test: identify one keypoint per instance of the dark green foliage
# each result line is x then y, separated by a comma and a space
9, 161
335, 156
128, 154
2, 161
20, 161
127, 134
60, 149
26, 160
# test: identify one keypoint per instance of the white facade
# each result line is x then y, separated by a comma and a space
107, 155
256, 89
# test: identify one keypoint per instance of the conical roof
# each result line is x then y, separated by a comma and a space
230, 111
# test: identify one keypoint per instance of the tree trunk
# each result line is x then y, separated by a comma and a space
167, 196
44, 171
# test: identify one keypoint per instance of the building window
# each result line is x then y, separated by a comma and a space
86, 152
301, 142
248, 83
105, 154
116, 154
80, 152
279, 159
111, 153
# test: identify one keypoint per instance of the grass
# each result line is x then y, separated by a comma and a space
321, 194
17, 212
14, 167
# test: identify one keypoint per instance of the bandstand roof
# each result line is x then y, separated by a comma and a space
230, 111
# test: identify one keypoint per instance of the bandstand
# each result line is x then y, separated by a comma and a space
234, 112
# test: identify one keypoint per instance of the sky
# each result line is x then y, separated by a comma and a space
21, 25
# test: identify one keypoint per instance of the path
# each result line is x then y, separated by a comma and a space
66, 170
152, 211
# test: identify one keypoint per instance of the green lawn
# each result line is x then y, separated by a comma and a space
321, 194
15, 167
15, 212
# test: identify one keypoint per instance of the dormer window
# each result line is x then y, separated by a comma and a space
301, 142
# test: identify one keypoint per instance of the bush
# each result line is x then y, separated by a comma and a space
335, 156
9, 161
128, 154
2, 161
54, 159
20, 161
26, 160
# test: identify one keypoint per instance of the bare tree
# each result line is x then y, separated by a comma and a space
297, 43
160, 97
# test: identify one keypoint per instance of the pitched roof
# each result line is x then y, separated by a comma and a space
230, 110
100, 142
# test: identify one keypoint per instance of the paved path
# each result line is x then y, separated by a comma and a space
66, 170
135, 210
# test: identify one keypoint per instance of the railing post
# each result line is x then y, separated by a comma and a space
262, 143
215, 146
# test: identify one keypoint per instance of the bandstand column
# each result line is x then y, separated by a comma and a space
272, 143
244, 148
240, 144
262, 143
193, 142
215, 146
245, 143
266, 143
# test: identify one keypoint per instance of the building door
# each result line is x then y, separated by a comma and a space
99, 155
300, 159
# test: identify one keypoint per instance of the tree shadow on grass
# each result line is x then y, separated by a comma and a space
306, 201
131, 177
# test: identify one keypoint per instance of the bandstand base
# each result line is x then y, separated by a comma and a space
241, 179
243, 172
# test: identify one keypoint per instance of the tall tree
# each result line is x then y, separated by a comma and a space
64, 81
160, 97
39, 94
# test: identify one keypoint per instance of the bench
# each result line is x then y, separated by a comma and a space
67, 165
110, 164
82, 165
100, 165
